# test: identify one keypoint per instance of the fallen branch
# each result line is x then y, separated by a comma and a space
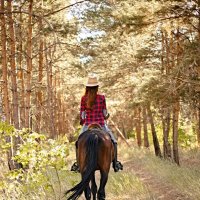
119, 133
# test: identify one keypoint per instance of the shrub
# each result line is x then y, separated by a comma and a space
38, 156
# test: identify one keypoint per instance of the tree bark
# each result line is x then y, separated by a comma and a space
40, 77
198, 126
163, 52
63, 119
138, 126
154, 135
60, 113
5, 80
176, 108
13, 67
14, 88
52, 130
146, 138
166, 129
29, 67
199, 19
167, 48
4, 65
21, 74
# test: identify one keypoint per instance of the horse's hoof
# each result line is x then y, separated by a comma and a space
101, 198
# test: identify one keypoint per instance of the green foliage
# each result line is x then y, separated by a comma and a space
39, 152
38, 155
131, 134
185, 139
6, 128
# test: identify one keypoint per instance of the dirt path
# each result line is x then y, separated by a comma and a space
160, 189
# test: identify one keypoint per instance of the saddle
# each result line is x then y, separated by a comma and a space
95, 126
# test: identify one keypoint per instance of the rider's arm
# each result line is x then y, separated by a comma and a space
105, 112
82, 111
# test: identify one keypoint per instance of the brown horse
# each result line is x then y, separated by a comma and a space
95, 152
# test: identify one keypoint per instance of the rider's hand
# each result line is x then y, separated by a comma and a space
107, 116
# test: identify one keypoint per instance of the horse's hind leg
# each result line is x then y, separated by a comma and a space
94, 187
101, 193
87, 192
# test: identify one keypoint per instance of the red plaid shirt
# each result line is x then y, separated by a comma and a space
94, 115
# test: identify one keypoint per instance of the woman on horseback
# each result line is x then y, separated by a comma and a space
93, 110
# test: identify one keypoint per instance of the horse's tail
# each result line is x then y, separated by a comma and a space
91, 163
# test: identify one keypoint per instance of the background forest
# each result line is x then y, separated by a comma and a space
147, 56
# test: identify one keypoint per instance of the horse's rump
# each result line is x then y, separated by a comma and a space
102, 147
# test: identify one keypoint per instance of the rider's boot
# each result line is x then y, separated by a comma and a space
116, 164
75, 166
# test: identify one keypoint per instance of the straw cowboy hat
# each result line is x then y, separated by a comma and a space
92, 80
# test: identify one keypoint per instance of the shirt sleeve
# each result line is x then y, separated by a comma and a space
105, 113
104, 103
82, 111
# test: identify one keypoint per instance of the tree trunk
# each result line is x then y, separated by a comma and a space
29, 66
55, 103
14, 140
138, 126
40, 77
5, 80
52, 130
13, 67
146, 139
60, 113
175, 132
154, 135
63, 125
21, 74
166, 42
165, 111
4, 65
163, 52
166, 129
1, 107
198, 126
199, 19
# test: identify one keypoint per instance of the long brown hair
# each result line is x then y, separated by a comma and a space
91, 93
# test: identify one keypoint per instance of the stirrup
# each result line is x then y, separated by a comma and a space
75, 167
117, 166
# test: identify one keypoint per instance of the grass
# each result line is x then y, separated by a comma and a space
125, 185
184, 178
